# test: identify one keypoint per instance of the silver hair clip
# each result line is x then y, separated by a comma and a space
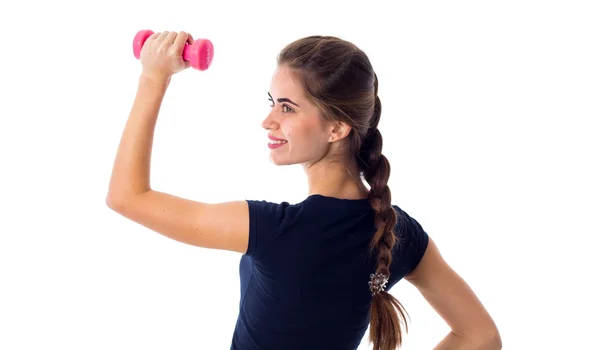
378, 282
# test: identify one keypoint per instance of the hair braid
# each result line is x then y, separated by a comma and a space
385, 332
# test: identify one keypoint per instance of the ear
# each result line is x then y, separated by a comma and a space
338, 130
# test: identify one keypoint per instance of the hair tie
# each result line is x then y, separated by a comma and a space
378, 283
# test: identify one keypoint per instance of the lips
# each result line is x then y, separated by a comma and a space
275, 138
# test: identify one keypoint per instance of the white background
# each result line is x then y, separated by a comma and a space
490, 121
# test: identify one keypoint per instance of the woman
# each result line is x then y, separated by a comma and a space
316, 274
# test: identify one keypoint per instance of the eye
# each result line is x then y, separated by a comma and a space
284, 106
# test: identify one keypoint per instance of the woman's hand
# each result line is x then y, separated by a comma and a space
161, 55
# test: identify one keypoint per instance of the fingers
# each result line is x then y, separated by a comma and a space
170, 38
153, 37
163, 36
180, 40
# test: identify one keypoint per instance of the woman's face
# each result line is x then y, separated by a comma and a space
296, 121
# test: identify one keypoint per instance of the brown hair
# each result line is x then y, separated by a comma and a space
338, 78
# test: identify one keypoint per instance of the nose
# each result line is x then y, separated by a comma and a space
269, 122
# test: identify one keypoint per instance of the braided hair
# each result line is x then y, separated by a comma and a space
377, 172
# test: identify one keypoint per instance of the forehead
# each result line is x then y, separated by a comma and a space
284, 84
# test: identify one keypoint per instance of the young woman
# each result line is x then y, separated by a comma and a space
316, 274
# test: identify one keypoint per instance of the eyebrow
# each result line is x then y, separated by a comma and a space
283, 99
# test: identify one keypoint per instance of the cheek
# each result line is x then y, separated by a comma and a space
298, 135
301, 133
290, 132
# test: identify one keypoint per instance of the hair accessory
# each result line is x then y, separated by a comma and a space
378, 282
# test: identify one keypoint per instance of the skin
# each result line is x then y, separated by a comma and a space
224, 226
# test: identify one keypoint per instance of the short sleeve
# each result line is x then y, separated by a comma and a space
267, 222
413, 241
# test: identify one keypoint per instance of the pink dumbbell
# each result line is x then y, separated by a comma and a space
199, 54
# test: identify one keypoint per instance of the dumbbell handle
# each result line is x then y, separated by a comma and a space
187, 52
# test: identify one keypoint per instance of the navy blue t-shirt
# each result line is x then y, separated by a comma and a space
304, 279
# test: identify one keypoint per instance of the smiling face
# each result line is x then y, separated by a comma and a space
296, 120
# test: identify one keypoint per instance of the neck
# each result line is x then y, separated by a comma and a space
334, 180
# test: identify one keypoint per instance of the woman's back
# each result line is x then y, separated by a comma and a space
304, 279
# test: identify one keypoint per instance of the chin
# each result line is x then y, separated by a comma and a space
281, 161
284, 158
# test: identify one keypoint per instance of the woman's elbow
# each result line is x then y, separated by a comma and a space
492, 341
